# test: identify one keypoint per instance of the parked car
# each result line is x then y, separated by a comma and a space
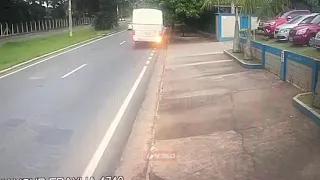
270, 26
305, 34
282, 32
317, 41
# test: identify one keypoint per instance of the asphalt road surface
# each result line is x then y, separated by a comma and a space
71, 115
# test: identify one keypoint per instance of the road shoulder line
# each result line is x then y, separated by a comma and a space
57, 53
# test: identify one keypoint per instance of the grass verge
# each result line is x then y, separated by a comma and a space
16, 52
241, 56
303, 50
307, 100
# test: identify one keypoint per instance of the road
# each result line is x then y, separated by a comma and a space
56, 115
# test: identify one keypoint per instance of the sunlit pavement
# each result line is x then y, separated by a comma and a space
217, 120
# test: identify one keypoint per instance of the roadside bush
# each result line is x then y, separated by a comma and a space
104, 21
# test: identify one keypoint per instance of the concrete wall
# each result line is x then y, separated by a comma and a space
256, 53
299, 74
273, 63
227, 26
217, 24
299, 70
254, 23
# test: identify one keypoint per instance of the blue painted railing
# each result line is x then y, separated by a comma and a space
287, 56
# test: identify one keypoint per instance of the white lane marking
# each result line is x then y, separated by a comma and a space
73, 71
151, 54
154, 51
150, 58
122, 42
91, 167
147, 62
201, 63
37, 78
51, 57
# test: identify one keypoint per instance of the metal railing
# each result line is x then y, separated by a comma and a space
7, 29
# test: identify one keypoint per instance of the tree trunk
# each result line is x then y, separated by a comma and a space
236, 39
233, 9
247, 52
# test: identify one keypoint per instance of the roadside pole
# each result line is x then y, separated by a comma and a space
70, 19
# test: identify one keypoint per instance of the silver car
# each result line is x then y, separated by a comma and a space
317, 41
281, 33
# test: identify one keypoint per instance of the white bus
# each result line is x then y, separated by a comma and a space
147, 25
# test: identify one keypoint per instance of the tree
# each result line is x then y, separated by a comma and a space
106, 18
209, 4
260, 8
180, 10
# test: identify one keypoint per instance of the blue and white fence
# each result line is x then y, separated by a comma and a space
297, 69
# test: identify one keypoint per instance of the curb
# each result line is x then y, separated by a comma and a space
242, 63
149, 172
58, 51
305, 109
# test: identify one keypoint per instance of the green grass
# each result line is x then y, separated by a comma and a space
15, 52
307, 100
303, 50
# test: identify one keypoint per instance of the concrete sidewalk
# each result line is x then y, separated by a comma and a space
219, 121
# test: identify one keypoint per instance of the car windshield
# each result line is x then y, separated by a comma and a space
316, 20
295, 20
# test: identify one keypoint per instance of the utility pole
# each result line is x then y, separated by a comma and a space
70, 19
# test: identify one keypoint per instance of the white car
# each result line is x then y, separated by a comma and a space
130, 26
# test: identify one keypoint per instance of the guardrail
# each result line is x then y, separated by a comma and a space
7, 29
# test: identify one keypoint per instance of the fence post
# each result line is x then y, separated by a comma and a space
61, 24
17, 26
27, 29
7, 29
30, 26
56, 23
22, 29
283, 65
45, 24
315, 69
12, 30
1, 30
35, 25
42, 23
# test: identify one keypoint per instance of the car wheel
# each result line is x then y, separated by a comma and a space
311, 41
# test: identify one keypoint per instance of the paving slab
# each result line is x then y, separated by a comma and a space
225, 122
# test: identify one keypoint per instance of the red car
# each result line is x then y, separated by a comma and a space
305, 34
270, 26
